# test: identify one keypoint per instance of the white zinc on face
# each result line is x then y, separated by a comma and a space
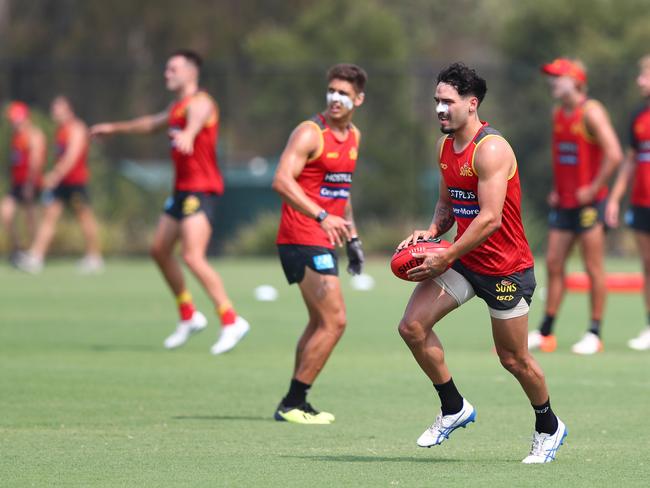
442, 108
344, 100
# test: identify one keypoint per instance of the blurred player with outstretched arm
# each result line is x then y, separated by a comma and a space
193, 126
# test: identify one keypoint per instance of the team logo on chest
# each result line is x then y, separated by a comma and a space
466, 169
353, 155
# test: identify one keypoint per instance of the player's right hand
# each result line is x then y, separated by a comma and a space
553, 199
101, 129
413, 238
337, 229
611, 214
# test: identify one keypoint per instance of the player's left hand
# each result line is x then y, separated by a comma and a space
355, 256
183, 141
585, 195
434, 264
611, 213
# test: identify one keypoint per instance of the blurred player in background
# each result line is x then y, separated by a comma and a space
637, 168
28, 154
66, 183
586, 152
490, 257
314, 179
193, 126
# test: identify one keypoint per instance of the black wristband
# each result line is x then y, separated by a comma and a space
321, 216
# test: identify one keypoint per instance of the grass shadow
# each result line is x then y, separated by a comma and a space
355, 458
221, 417
123, 348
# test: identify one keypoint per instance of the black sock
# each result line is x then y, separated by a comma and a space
297, 394
594, 328
545, 419
546, 329
451, 401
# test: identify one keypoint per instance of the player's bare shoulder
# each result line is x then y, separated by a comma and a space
307, 138
494, 151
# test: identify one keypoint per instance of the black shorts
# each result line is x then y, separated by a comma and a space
73, 195
295, 257
186, 203
638, 218
18, 193
500, 292
577, 219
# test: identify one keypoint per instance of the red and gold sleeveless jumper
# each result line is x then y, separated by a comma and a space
19, 158
506, 251
640, 142
199, 171
326, 179
576, 156
78, 175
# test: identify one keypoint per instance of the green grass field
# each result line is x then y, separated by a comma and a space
88, 396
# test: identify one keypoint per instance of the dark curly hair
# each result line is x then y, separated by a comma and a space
464, 80
349, 72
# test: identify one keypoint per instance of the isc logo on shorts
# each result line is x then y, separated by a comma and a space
323, 261
588, 216
191, 204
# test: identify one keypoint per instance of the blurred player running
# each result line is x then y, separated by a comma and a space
490, 257
28, 154
314, 178
586, 152
66, 183
193, 126
637, 168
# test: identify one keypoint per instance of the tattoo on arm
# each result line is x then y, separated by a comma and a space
443, 218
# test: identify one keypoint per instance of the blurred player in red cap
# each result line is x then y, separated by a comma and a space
28, 148
192, 121
66, 183
586, 152
637, 169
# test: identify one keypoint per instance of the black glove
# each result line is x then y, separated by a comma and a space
355, 256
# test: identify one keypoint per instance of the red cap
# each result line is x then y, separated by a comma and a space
17, 112
565, 67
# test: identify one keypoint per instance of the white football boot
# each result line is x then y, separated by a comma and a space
29, 263
90, 264
545, 446
589, 344
230, 336
185, 329
446, 424
534, 340
642, 341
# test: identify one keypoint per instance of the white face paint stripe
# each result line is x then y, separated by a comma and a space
442, 108
344, 100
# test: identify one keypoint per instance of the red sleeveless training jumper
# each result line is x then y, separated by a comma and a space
640, 142
78, 175
576, 156
326, 179
506, 251
199, 171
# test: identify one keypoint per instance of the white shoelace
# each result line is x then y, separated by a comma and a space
538, 444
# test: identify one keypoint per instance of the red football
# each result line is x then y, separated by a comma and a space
403, 260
